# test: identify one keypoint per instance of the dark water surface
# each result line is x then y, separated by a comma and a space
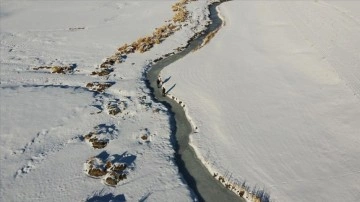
198, 178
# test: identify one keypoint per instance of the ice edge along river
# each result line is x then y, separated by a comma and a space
199, 179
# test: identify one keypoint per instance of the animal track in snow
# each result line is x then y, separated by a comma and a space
41, 151
36, 140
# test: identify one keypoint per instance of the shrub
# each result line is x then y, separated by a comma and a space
111, 181
96, 172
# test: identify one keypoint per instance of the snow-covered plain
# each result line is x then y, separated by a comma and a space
44, 116
275, 96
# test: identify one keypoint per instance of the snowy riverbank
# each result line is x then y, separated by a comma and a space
274, 95
48, 121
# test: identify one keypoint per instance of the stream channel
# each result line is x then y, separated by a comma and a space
196, 175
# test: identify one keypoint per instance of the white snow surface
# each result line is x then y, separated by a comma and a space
275, 96
44, 115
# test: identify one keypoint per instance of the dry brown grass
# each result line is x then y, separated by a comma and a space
110, 172
89, 135
176, 7
119, 168
93, 139
256, 199
108, 164
163, 32
95, 142
181, 13
113, 108
106, 66
126, 49
122, 176
114, 178
91, 161
42, 67
98, 87
103, 72
222, 179
96, 172
76, 28
60, 70
56, 69
99, 144
180, 16
209, 37
144, 44
111, 181
240, 190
